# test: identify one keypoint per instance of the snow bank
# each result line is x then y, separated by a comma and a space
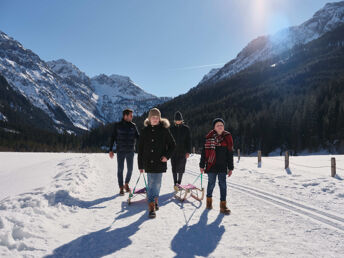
26, 219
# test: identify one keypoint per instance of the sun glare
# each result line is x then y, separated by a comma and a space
265, 18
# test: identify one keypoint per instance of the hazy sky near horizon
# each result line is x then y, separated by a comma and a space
166, 47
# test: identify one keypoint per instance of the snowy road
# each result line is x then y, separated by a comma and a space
67, 205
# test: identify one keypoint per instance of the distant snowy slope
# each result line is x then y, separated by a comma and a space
115, 92
32, 77
266, 47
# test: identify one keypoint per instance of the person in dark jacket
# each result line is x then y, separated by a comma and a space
182, 136
125, 135
156, 146
217, 161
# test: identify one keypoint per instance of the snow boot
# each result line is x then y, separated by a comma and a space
224, 209
209, 203
175, 188
126, 187
151, 209
156, 204
121, 190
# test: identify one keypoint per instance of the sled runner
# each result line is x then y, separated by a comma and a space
141, 191
190, 190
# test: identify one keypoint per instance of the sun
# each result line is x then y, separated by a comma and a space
266, 17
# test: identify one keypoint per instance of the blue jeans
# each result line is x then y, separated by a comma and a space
154, 184
121, 156
222, 185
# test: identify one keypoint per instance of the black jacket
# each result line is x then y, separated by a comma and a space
182, 136
154, 143
125, 135
224, 160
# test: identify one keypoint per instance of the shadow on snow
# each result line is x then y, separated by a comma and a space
108, 240
65, 198
200, 239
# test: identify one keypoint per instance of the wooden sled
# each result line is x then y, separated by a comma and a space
189, 190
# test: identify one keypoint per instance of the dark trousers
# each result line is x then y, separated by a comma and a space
178, 168
121, 156
222, 184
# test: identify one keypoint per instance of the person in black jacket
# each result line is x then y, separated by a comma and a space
217, 161
181, 134
125, 135
156, 146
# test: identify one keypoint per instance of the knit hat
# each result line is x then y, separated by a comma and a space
178, 116
154, 112
218, 120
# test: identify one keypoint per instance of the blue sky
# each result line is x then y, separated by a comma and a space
166, 47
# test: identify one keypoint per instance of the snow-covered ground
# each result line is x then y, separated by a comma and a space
67, 205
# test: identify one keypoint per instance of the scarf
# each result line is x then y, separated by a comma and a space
213, 140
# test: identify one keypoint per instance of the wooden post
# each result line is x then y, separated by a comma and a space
238, 154
193, 149
286, 159
259, 156
333, 167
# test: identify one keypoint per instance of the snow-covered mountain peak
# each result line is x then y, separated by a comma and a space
262, 48
328, 18
66, 69
112, 79
117, 77
331, 11
12, 49
101, 78
5, 38
104, 84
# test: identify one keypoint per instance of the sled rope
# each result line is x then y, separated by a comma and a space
200, 175
144, 178
201, 180
137, 181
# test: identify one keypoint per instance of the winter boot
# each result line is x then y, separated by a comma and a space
209, 203
126, 187
156, 204
151, 209
224, 209
176, 188
121, 190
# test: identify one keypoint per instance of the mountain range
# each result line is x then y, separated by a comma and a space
67, 95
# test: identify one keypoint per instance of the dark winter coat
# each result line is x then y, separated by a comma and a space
125, 135
224, 158
182, 136
155, 142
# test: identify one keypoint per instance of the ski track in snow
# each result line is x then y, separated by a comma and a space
74, 210
290, 205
